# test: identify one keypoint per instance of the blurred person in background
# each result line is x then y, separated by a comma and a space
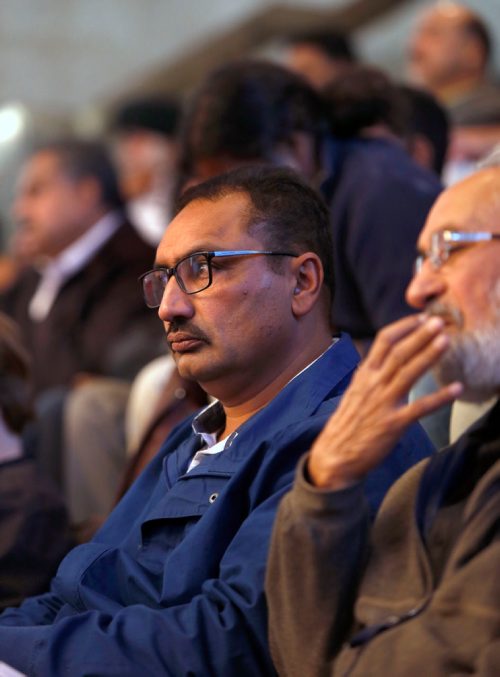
144, 147
251, 112
76, 302
379, 198
449, 54
34, 533
427, 128
319, 56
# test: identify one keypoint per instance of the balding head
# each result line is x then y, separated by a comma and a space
450, 45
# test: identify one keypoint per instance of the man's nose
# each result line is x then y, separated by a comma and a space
426, 285
174, 302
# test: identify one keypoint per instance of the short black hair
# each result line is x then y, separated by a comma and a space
16, 397
427, 117
155, 114
81, 159
288, 214
363, 96
245, 110
333, 43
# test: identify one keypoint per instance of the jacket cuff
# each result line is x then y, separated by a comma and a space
314, 500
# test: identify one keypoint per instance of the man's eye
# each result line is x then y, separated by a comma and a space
199, 266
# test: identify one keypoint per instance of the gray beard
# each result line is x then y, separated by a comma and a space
473, 357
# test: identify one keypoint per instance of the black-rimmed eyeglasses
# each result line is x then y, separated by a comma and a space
193, 273
444, 242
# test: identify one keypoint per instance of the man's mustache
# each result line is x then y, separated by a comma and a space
447, 312
185, 327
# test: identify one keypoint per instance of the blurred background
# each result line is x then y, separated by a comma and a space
65, 64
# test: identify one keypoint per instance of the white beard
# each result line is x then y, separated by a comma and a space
473, 357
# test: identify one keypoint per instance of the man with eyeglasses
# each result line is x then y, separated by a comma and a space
417, 593
173, 583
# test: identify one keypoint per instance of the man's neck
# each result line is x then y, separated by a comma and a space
451, 92
238, 410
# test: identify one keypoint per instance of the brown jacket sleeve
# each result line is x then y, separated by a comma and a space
317, 556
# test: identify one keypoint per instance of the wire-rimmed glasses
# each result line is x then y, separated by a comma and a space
444, 242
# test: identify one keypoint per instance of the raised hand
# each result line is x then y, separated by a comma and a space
374, 411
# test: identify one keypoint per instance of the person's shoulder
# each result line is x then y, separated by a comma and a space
15, 297
126, 242
378, 165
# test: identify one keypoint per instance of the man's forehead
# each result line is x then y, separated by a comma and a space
471, 205
206, 223
40, 165
447, 17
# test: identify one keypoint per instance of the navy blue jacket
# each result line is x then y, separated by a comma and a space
379, 200
173, 584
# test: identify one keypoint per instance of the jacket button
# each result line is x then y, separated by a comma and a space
213, 497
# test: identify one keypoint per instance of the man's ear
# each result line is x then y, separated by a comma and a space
307, 283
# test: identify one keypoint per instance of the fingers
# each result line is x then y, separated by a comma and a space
389, 336
406, 351
429, 403
373, 413
412, 358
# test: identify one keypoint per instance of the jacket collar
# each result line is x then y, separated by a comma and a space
299, 399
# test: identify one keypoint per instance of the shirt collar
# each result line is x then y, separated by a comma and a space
78, 253
212, 418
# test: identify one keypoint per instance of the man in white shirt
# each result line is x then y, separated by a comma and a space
78, 302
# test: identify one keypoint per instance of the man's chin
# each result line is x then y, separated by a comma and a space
474, 366
192, 368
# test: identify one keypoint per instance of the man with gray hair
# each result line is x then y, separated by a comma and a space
417, 592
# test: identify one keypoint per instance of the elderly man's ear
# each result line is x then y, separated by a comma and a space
308, 283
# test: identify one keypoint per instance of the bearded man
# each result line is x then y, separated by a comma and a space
418, 592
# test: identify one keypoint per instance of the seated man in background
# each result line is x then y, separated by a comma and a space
173, 581
319, 56
379, 199
428, 128
144, 147
419, 592
76, 301
33, 524
450, 54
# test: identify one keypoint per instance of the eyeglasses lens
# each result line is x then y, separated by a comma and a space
439, 250
194, 273
153, 286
